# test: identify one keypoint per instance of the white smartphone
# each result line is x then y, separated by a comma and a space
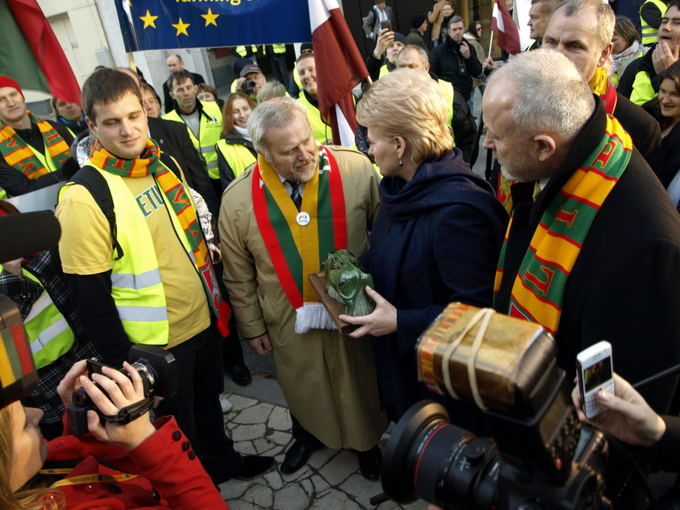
595, 371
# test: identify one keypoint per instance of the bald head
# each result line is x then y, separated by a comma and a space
174, 63
413, 57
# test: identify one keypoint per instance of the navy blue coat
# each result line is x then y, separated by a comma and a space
436, 240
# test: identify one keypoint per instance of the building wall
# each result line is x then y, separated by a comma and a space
77, 25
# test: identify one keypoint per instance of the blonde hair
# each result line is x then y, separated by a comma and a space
409, 104
33, 499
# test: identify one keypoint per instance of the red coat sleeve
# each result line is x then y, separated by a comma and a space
169, 462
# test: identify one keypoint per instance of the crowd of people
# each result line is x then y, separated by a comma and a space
196, 230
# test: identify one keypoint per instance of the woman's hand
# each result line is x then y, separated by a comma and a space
70, 381
117, 391
381, 321
628, 417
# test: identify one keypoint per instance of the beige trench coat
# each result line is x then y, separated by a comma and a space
328, 380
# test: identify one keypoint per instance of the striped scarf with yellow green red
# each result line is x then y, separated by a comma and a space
538, 289
18, 153
297, 248
179, 199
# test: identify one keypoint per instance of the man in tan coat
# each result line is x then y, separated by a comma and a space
277, 222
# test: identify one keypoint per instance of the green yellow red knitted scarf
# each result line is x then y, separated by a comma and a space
298, 242
177, 197
19, 154
538, 289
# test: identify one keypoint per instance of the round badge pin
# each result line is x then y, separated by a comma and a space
302, 219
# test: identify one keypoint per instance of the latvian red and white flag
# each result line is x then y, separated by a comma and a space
339, 68
504, 26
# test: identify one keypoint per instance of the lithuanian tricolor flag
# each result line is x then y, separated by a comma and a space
30, 52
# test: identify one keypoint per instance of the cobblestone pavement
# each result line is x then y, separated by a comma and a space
330, 481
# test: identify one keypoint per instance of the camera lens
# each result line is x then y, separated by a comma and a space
443, 464
80, 398
148, 375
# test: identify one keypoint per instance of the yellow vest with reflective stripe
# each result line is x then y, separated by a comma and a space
209, 132
45, 159
136, 285
242, 51
383, 71
322, 132
448, 91
49, 334
238, 156
643, 90
650, 34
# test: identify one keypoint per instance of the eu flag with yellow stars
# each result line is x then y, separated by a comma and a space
166, 24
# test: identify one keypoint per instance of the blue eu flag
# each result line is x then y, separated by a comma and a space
167, 24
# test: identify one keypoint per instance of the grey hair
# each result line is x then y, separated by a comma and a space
455, 19
275, 112
565, 102
270, 90
606, 19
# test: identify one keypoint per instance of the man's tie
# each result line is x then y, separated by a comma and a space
295, 194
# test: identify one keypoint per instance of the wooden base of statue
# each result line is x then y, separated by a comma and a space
333, 307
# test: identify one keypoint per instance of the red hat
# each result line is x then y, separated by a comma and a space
6, 81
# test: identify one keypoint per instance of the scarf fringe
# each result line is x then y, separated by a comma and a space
312, 316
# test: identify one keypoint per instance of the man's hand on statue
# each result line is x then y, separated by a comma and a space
382, 321
384, 39
663, 57
261, 344
464, 49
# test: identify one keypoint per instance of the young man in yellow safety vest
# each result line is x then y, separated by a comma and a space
149, 280
203, 119
34, 153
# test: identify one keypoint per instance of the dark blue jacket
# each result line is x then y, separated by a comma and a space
436, 240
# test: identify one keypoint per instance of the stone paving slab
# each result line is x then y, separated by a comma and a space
330, 481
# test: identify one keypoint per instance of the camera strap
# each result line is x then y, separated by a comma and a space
131, 412
483, 317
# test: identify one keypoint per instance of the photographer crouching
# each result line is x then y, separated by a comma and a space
124, 465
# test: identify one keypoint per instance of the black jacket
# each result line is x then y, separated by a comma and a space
447, 63
436, 240
16, 183
623, 287
173, 139
642, 127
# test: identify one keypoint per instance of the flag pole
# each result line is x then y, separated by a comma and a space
490, 44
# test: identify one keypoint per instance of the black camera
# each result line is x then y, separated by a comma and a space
541, 456
157, 369
249, 87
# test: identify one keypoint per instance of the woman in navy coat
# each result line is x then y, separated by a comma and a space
437, 237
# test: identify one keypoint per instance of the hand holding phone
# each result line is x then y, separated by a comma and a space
385, 24
595, 371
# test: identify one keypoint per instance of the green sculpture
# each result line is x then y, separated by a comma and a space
346, 282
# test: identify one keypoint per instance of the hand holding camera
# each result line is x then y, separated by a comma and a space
385, 38
110, 391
